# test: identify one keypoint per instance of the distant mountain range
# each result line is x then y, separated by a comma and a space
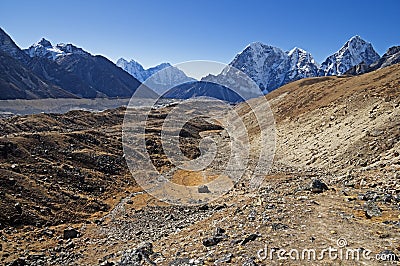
60, 71
45, 70
162, 76
270, 67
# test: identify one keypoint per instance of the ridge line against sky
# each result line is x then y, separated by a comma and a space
152, 31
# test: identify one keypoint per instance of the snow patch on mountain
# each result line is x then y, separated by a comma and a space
270, 67
265, 64
44, 48
301, 65
133, 68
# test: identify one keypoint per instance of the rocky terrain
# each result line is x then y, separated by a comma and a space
68, 198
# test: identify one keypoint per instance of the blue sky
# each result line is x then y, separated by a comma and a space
153, 31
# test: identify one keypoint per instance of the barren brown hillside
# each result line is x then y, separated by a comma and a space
335, 182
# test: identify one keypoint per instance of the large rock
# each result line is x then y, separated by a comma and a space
317, 186
138, 256
372, 210
70, 233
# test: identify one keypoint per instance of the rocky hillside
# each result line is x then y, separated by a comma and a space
68, 198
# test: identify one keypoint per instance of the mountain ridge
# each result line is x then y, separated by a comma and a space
82, 74
353, 52
63, 67
270, 67
391, 57
159, 78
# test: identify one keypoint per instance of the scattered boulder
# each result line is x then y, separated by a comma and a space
212, 241
18, 207
371, 210
250, 262
220, 207
219, 235
219, 231
70, 233
180, 262
107, 263
317, 186
204, 207
225, 259
252, 216
203, 189
137, 256
279, 226
47, 232
19, 262
249, 238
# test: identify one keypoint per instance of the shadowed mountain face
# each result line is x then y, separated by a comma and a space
391, 57
99, 74
19, 82
203, 89
56, 74
8, 46
65, 72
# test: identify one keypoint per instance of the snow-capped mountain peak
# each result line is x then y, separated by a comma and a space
133, 68
270, 67
163, 75
262, 63
353, 52
44, 43
295, 50
301, 65
44, 48
69, 48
